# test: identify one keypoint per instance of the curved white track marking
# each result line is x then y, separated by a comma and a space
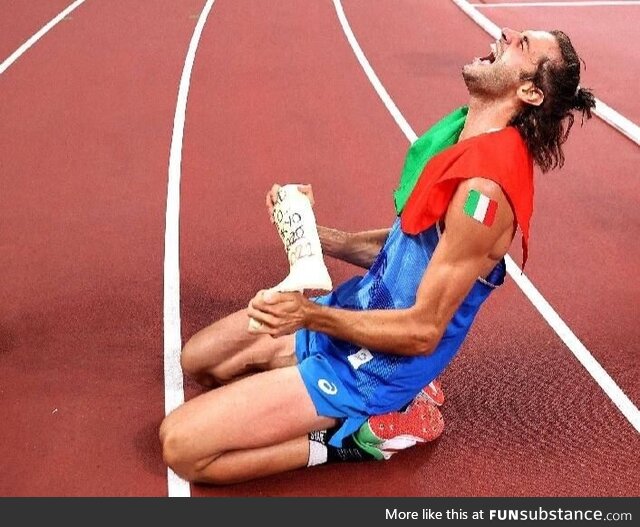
619, 122
45, 29
602, 110
373, 78
173, 380
604, 380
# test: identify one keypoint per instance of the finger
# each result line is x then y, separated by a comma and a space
307, 191
265, 319
254, 325
273, 193
273, 297
258, 295
274, 303
269, 309
270, 201
257, 328
257, 298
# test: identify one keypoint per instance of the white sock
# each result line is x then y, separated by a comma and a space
317, 453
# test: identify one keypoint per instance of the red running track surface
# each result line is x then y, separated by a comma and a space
22, 19
277, 95
87, 118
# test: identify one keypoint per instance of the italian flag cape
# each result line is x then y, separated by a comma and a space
437, 163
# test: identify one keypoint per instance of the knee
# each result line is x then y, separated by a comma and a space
171, 443
192, 364
175, 451
189, 358
210, 375
176, 454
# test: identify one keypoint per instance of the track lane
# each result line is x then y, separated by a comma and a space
276, 96
390, 38
280, 112
84, 161
20, 19
261, 111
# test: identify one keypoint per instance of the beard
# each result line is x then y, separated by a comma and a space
489, 80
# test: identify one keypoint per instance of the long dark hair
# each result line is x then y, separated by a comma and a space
545, 128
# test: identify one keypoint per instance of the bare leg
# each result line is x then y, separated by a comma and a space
244, 465
251, 415
225, 351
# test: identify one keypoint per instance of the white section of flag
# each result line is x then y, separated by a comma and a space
481, 208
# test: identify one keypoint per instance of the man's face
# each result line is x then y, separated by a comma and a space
516, 54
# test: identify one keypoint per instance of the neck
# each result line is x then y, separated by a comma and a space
484, 116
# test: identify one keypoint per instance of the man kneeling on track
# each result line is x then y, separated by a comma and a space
350, 375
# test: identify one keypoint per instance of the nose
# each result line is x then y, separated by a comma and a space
509, 35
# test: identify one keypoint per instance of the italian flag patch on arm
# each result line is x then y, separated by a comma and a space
481, 208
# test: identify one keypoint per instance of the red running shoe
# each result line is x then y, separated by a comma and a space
433, 392
384, 435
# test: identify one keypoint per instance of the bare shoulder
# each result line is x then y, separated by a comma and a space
477, 193
485, 185
480, 213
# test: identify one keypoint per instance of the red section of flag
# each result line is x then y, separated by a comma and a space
491, 213
479, 156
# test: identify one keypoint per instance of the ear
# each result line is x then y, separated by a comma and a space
529, 93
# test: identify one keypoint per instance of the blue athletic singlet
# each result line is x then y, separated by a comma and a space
350, 383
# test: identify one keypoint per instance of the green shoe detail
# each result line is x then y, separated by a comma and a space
368, 441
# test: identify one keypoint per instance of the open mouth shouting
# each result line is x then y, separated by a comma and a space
493, 55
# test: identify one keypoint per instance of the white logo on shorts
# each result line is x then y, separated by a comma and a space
327, 387
361, 357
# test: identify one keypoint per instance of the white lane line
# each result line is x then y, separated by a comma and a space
373, 78
604, 380
45, 29
602, 110
592, 3
173, 380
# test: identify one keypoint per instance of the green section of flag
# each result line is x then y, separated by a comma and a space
441, 135
472, 202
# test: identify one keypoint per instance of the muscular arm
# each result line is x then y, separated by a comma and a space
467, 249
357, 248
